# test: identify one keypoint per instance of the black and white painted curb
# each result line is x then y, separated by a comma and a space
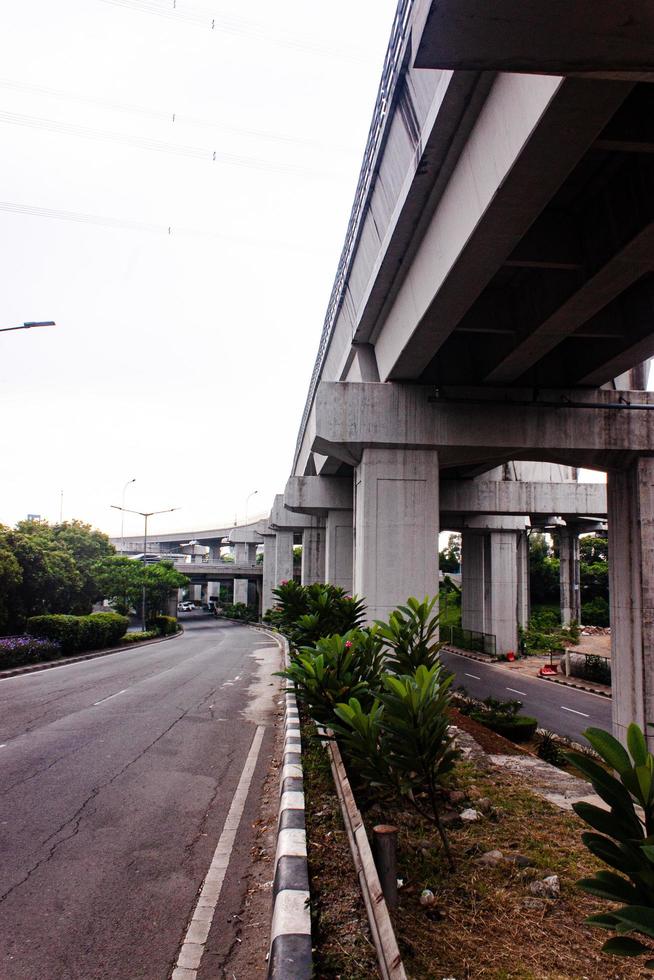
290, 936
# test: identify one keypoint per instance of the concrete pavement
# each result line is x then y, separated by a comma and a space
566, 711
117, 778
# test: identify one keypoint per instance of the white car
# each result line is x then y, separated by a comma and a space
186, 607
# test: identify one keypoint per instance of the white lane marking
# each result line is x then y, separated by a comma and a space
102, 700
473, 675
238, 677
563, 708
4, 745
515, 691
190, 955
228, 683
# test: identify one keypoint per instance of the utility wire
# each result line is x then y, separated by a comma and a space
175, 118
238, 26
145, 143
109, 221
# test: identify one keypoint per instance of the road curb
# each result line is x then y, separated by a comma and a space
290, 952
65, 661
577, 687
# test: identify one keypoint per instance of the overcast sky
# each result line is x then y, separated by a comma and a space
189, 292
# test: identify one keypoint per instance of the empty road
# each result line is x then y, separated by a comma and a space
116, 776
564, 710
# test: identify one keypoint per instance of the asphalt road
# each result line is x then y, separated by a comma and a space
116, 778
564, 710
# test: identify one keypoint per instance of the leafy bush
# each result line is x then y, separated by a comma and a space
621, 838
411, 633
18, 650
591, 668
238, 610
549, 748
76, 633
165, 625
504, 718
141, 635
307, 613
336, 669
402, 743
596, 612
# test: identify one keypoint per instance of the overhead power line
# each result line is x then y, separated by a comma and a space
145, 143
110, 221
174, 118
226, 24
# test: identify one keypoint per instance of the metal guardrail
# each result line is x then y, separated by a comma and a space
391, 72
472, 640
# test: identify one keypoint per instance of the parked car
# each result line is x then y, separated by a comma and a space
186, 606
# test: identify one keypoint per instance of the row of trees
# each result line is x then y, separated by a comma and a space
65, 568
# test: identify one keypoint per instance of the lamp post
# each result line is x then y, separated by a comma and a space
144, 514
29, 324
122, 519
247, 501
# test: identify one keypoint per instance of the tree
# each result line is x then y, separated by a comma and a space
449, 559
122, 580
543, 570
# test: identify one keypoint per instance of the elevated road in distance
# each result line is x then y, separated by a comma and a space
116, 778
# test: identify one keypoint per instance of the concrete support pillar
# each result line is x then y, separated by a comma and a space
283, 557
522, 558
396, 528
268, 584
251, 553
473, 608
494, 582
631, 584
339, 546
204, 592
313, 555
213, 590
569, 575
241, 590
240, 553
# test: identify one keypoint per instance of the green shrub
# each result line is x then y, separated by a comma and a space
142, 635
307, 613
239, 610
411, 633
622, 838
18, 650
402, 744
549, 749
335, 670
165, 625
596, 612
504, 718
78, 633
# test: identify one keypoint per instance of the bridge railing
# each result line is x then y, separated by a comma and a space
471, 640
391, 72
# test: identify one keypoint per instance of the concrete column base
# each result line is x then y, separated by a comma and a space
241, 591
631, 585
339, 546
569, 575
313, 555
396, 528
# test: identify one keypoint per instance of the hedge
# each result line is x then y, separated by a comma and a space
15, 651
77, 633
165, 625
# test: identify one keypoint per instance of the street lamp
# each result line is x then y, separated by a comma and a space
144, 514
29, 324
247, 501
122, 519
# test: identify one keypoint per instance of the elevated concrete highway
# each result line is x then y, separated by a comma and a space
491, 318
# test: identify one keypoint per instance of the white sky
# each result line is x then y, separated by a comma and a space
180, 359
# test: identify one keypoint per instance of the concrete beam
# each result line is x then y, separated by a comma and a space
282, 519
513, 497
623, 268
248, 534
317, 495
575, 427
514, 162
557, 37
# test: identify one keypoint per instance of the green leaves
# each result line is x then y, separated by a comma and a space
624, 838
307, 613
411, 635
